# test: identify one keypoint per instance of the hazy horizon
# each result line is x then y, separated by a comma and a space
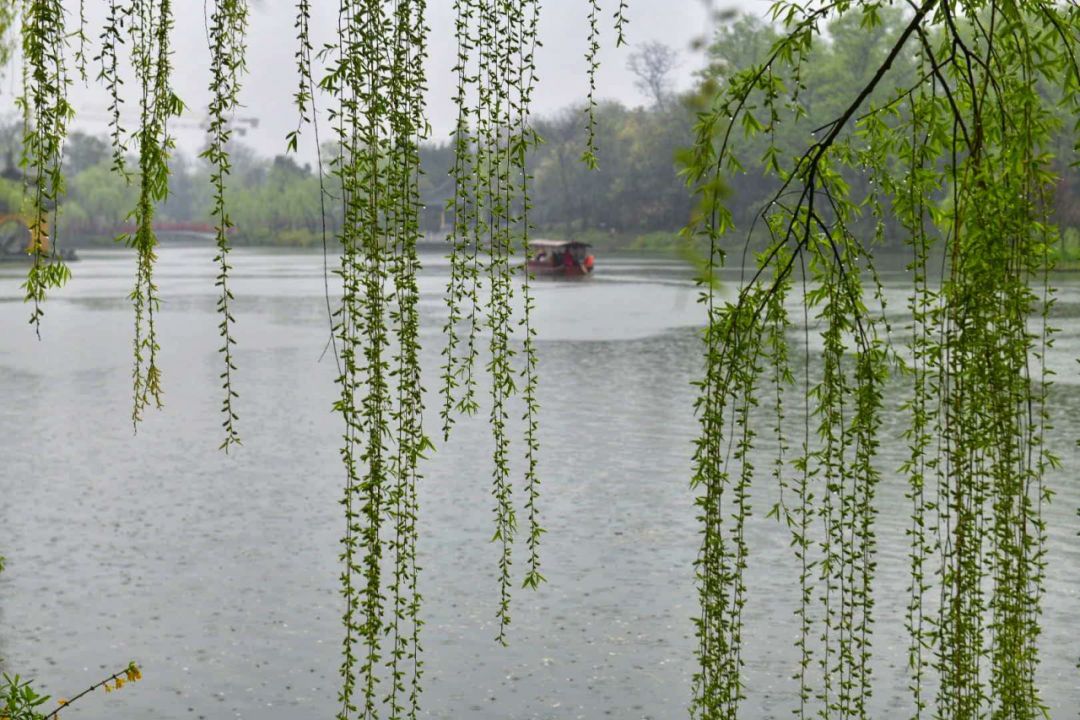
271, 79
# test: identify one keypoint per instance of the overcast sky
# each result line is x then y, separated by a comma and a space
271, 79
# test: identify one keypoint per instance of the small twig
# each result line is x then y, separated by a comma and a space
129, 674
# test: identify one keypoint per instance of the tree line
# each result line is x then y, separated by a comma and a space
635, 191
636, 198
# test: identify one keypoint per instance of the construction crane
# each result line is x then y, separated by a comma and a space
101, 116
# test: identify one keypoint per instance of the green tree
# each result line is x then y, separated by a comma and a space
84, 151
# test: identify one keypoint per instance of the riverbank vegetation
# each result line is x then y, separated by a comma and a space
634, 200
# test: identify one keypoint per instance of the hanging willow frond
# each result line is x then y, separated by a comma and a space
46, 114
151, 31
10, 20
957, 158
376, 85
80, 36
592, 61
227, 32
522, 140
496, 74
621, 21
108, 75
377, 81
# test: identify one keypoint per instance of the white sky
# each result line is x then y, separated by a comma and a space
271, 78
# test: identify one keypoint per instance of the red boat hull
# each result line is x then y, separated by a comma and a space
546, 270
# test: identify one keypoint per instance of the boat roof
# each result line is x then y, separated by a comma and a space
557, 243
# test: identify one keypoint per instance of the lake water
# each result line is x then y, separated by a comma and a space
218, 574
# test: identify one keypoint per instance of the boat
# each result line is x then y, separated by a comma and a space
560, 258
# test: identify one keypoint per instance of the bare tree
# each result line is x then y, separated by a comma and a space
653, 63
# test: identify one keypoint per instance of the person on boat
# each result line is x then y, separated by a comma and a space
589, 262
568, 261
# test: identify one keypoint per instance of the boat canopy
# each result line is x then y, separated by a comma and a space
557, 244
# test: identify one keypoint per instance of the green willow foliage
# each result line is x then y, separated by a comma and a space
150, 23
621, 22
958, 158
46, 113
9, 18
589, 155
375, 82
228, 25
496, 40
108, 76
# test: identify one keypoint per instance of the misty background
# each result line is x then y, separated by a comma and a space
271, 80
